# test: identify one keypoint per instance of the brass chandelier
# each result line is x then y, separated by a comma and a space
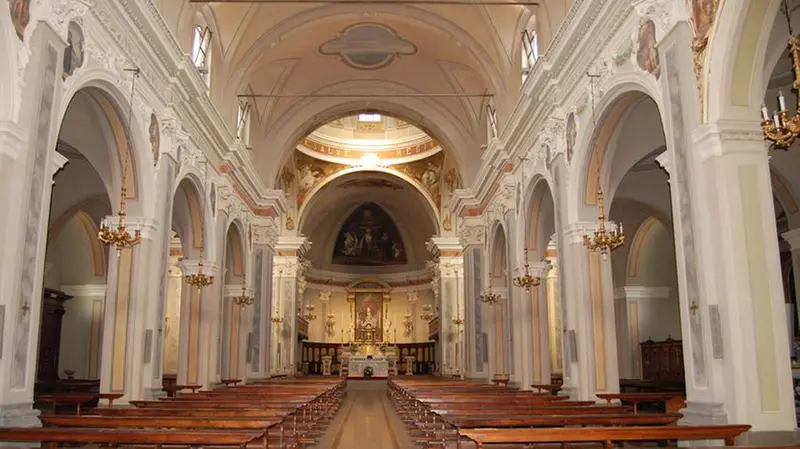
119, 236
527, 281
201, 279
330, 325
604, 240
427, 313
490, 297
310, 315
781, 129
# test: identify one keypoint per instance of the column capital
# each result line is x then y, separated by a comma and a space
574, 232
86, 290
289, 246
537, 269
190, 267
636, 292
445, 246
665, 162
232, 290
146, 226
792, 236
12, 139
741, 137
58, 162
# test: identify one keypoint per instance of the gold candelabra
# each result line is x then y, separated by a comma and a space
604, 240
408, 323
330, 324
781, 129
119, 236
527, 281
244, 299
490, 297
310, 315
427, 313
199, 279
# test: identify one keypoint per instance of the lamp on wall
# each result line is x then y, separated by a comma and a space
119, 236
604, 240
527, 281
310, 315
781, 129
201, 279
330, 324
427, 313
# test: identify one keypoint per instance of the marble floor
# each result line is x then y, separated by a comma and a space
366, 420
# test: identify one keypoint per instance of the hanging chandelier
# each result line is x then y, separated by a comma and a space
527, 281
310, 315
781, 129
427, 313
490, 298
330, 324
118, 236
604, 240
408, 323
244, 299
201, 279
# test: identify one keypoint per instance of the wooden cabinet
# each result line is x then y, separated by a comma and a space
50, 334
662, 361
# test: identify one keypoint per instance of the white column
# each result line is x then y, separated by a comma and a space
452, 314
286, 269
736, 346
793, 238
590, 364
538, 342
235, 331
199, 313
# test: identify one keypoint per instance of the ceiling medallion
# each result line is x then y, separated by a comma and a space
368, 46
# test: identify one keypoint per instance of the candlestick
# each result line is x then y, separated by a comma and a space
781, 101
777, 120
764, 112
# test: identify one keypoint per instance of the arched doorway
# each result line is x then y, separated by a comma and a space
500, 338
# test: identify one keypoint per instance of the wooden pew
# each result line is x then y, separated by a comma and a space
50, 436
77, 398
672, 401
605, 435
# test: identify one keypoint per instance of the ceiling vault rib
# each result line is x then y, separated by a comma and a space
384, 2
365, 95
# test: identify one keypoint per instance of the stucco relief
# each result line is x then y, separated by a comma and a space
428, 173
368, 46
310, 172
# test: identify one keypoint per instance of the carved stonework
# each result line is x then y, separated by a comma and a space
472, 234
265, 232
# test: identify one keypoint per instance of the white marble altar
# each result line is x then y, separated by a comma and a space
380, 367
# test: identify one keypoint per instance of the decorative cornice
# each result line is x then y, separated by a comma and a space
12, 140
574, 232
190, 267
635, 292
85, 290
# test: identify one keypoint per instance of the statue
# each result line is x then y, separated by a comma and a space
369, 320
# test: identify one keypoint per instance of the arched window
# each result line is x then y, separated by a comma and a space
243, 123
201, 50
530, 48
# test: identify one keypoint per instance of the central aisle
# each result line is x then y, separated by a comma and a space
366, 420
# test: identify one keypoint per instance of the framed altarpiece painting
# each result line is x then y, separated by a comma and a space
369, 303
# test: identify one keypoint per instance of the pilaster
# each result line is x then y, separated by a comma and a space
235, 330
626, 305
792, 237
590, 364
198, 315
537, 343
288, 275
739, 319
452, 312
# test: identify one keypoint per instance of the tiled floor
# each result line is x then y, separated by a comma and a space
366, 420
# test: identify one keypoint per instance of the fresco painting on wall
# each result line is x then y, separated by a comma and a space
20, 15
702, 16
369, 237
73, 54
571, 135
647, 55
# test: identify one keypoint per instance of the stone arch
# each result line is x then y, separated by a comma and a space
112, 103
535, 205
742, 36
193, 216
593, 162
235, 241
498, 252
308, 115
307, 204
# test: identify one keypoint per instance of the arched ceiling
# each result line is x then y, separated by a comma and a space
371, 50
328, 210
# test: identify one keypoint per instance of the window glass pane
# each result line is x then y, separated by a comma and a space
369, 117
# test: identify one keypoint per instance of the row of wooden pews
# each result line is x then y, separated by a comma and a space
277, 413
445, 413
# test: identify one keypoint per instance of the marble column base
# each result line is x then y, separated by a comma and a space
19, 415
154, 393
702, 414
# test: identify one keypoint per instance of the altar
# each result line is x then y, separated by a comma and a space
358, 365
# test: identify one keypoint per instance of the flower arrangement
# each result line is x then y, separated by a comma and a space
368, 371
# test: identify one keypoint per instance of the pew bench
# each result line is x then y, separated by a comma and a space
672, 401
605, 435
51, 436
78, 399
